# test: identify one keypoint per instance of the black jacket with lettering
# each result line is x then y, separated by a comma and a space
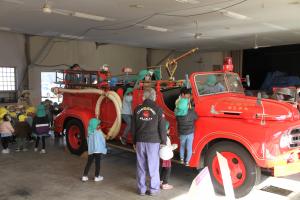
148, 123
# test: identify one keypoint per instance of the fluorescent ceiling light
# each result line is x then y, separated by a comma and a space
47, 9
14, 1
233, 15
2, 28
156, 28
188, 1
275, 26
91, 17
72, 36
62, 12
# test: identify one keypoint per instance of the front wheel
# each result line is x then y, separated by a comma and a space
243, 169
75, 137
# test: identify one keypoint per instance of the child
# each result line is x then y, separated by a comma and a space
40, 126
23, 131
185, 118
184, 93
126, 114
166, 164
30, 115
49, 110
96, 147
6, 132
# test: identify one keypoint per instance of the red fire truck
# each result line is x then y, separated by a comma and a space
250, 132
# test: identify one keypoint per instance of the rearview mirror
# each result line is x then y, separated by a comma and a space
248, 80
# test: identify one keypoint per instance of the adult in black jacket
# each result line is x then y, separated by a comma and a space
148, 131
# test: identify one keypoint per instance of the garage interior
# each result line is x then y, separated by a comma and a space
39, 37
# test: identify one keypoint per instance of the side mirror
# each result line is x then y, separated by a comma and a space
258, 101
187, 80
248, 80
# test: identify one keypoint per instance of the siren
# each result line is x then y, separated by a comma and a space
227, 64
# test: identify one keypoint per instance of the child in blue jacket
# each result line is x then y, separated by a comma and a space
96, 147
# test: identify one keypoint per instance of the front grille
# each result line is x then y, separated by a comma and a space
295, 138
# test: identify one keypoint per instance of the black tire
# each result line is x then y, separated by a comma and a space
81, 145
252, 171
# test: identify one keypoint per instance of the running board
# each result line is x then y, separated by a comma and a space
130, 149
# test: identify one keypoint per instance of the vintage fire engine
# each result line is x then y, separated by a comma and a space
251, 132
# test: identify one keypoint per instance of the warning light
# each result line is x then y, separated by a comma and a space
227, 64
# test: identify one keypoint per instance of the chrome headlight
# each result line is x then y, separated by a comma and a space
284, 141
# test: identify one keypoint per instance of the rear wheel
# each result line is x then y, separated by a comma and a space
75, 137
243, 169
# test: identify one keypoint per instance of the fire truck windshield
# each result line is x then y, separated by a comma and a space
215, 83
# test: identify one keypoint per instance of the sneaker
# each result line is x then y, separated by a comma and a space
18, 149
25, 149
84, 178
181, 161
123, 141
166, 187
43, 151
98, 178
5, 151
187, 164
35, 149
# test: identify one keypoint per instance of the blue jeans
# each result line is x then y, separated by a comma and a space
127, 119
186, 141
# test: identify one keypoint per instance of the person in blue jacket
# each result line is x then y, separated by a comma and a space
96, 147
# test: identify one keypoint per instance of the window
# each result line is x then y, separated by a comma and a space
234, 83
208, 84
47, 82
7, 79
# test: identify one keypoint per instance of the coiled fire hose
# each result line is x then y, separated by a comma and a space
113, 96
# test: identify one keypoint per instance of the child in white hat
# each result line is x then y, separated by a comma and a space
166, 154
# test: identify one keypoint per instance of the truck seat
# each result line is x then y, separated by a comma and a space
170, 95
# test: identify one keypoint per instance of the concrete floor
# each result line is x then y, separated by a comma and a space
56, 175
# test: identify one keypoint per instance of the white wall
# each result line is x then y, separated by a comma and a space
12, 52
